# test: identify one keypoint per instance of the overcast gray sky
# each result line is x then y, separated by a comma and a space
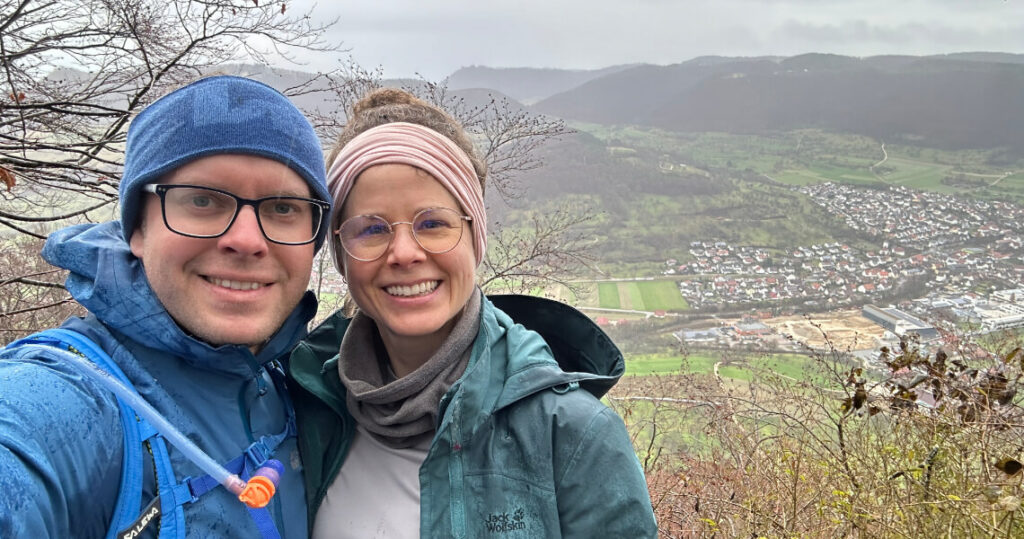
437, 37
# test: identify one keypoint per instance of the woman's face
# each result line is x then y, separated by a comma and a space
413, 295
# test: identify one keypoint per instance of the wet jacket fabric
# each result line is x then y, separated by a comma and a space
60, 432
523, 448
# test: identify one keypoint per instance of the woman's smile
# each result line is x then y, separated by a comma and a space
419, 289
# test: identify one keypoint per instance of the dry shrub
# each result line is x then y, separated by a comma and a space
927, 446
32, 296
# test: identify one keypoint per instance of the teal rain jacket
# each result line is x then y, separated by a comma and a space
60, 432
523, 448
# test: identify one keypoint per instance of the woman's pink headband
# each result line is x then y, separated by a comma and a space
420, 147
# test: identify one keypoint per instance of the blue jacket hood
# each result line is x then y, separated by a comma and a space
108, 280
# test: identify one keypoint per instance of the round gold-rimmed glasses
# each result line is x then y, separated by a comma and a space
367, 237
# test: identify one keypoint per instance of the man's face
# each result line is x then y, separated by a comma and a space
237, 288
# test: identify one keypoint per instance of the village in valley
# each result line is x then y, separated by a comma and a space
945, 266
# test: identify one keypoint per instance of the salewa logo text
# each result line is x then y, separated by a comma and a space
504, 523
141, 524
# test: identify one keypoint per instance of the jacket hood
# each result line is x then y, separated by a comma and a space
513, 357
108, 280
576, 342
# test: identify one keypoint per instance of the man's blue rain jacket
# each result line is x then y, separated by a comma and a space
60, 433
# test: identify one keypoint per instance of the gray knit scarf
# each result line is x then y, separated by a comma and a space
401, 413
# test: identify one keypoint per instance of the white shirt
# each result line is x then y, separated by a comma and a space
375, 495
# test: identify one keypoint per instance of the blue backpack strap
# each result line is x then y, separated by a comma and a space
245, 464
174, 496
172, 520
264, 448
135, 431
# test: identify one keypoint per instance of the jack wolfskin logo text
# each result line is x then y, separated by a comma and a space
503, 522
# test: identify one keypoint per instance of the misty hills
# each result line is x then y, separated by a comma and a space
952, 101
526, 84
963, 100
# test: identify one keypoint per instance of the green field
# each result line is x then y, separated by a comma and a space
895, 171
797, 367
661, 295
655, 192
1014, 182
608, 295
651, 296
643, 365
916, 174
630, 297
811, 156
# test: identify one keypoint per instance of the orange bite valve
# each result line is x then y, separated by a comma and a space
258, 492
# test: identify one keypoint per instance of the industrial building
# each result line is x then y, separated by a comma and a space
899, 322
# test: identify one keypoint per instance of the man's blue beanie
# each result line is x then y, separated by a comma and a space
218, 115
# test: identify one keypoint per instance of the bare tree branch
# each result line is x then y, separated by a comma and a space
72, 76
34, 282
549, 249
38, 307
522, 257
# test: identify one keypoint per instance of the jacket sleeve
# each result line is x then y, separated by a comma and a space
602, 491
60, 450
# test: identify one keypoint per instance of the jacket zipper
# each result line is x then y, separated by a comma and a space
455, 475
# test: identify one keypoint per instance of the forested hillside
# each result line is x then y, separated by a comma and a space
952, 102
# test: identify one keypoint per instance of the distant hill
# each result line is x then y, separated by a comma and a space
629, 96
970, 100
1004, 57
952, 101
481, 97
526, 84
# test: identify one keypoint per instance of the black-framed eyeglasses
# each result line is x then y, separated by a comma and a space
205, 212
367, 237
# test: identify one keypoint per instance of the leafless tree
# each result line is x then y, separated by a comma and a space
31, 296
545, 246
73, 74
548, 248
337, 91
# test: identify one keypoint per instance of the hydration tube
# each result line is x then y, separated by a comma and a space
256, 493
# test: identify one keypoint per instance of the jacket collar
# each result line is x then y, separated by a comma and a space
108, 280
